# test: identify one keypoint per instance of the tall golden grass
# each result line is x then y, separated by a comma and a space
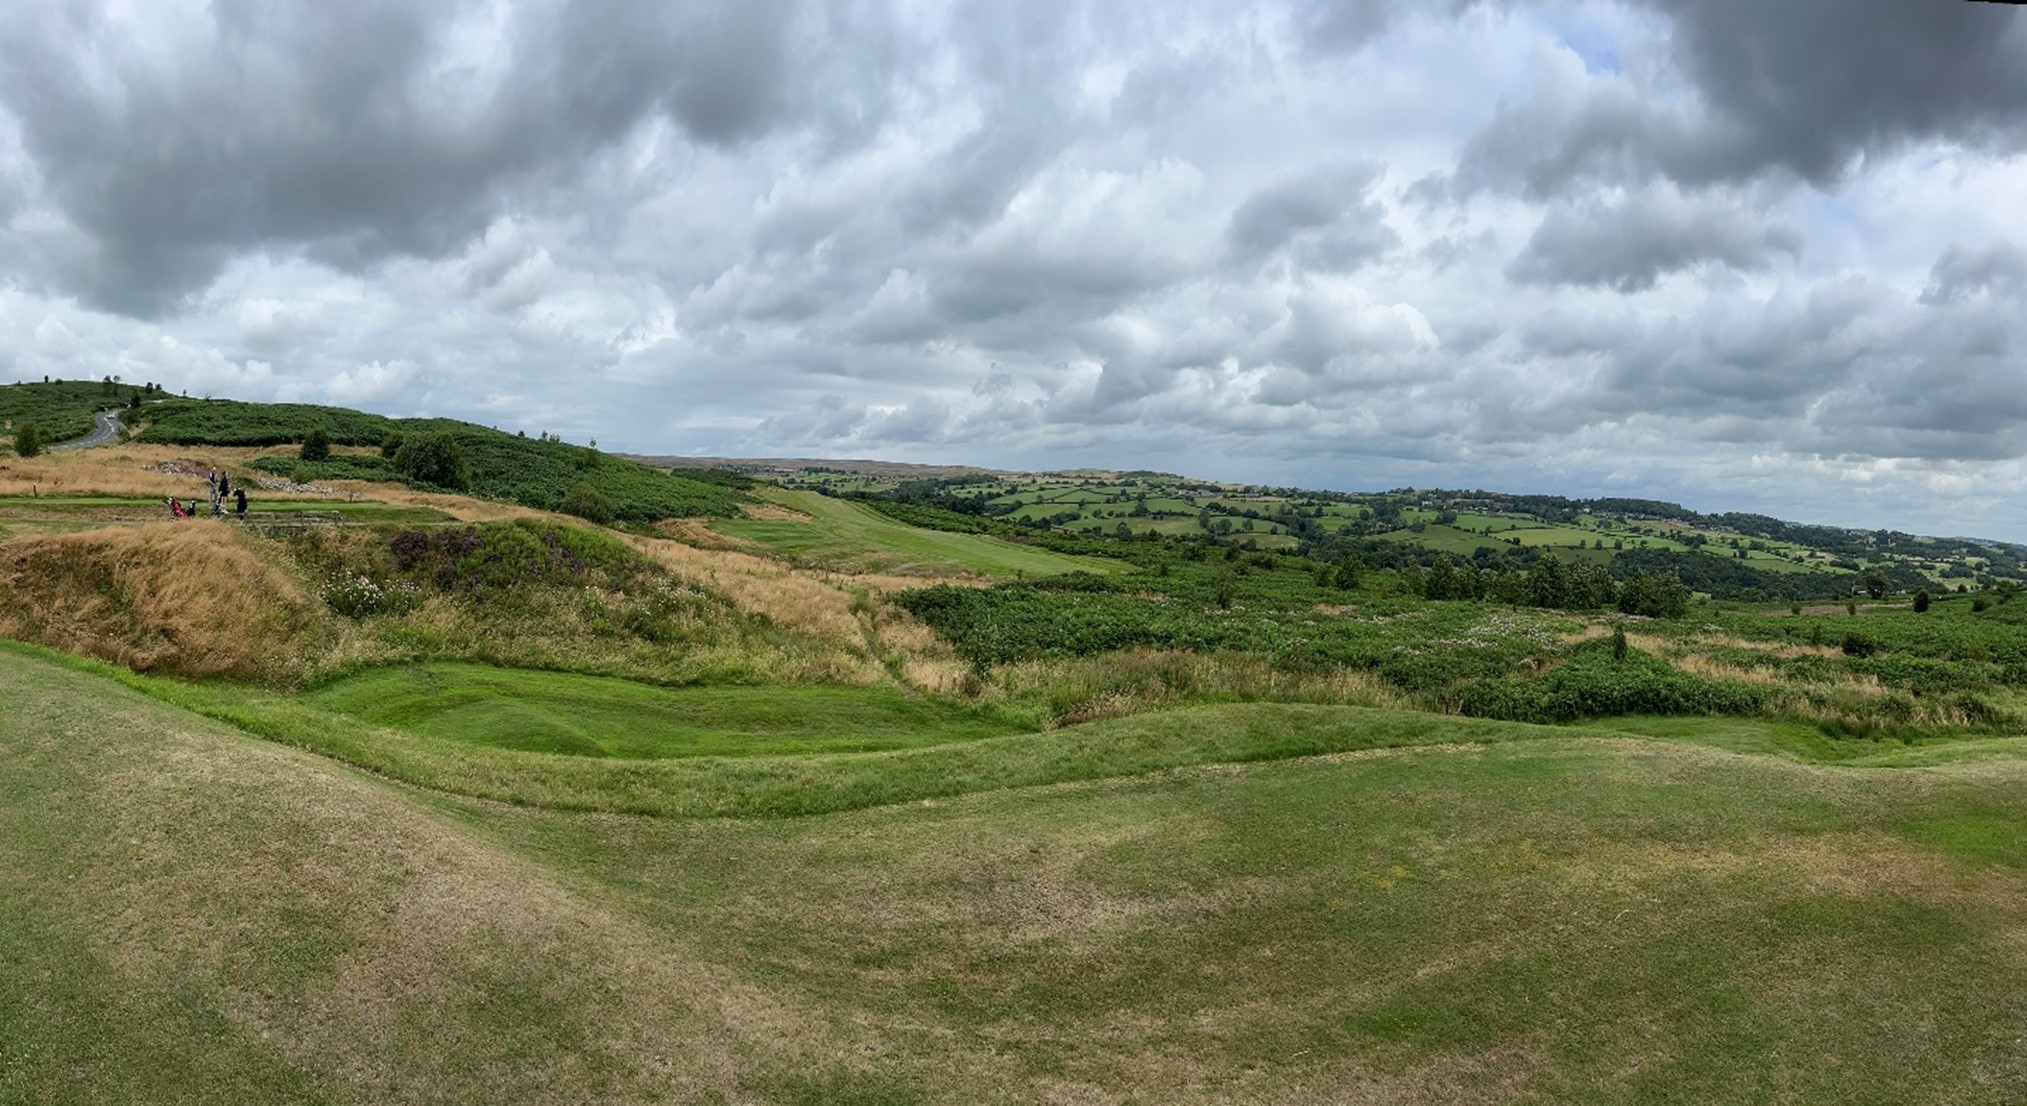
188, 598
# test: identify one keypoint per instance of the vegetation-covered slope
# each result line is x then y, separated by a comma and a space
837, 533
60, 409
534, 472
1567, 918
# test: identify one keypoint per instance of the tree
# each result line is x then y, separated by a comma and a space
27, 439
433, 459
1875, 584
1442, 581
589, 504
1921, 601
316, 445
391, 445
1348, 573
1654, 595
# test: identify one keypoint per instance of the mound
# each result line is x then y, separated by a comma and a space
190, 599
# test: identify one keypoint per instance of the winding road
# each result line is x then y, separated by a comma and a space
105, 428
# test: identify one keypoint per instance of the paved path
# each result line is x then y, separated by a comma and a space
105, 429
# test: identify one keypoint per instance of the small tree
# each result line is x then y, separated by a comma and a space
1347, 574
589, 504
316, 445
390, 445
27, 440
1921, 601
433, 459
1619, 645
1875, 584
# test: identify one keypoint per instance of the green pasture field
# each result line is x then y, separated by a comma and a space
553, 712
1444, 539
843, 534
1237, 904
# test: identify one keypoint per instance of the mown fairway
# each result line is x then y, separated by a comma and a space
549, 712
841, 534
188, 913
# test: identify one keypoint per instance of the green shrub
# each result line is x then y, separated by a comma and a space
391, 445
589, 504
1922, 599
27, 440
1858, 643
433, 459
336, 467
1593, 684
316, 445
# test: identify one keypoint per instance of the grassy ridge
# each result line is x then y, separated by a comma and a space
552, 712
191, 916
795, 785
528, 471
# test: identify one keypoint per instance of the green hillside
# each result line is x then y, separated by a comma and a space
839, 533
191, 914
60, 409
534, 472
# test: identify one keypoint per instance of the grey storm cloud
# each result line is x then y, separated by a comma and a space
1630, 244
364, 130
1802, 87
1999, 268
1638, 244
1326, 209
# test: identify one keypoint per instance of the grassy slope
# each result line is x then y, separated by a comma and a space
845, 534
503, 466
61, 410
191, 915
554, 712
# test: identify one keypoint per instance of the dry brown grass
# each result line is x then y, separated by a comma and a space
773, 512
191, 598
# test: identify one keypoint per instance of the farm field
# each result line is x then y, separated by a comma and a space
839, 533
1551, 916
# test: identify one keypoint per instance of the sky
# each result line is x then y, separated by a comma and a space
1738, 254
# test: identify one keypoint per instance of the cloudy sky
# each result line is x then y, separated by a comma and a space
1746, 255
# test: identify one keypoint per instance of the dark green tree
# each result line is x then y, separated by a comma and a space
1921, 601
1876, 584
316, 445
589, 504
433, 459
1349, 570
391, 445
27, 439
